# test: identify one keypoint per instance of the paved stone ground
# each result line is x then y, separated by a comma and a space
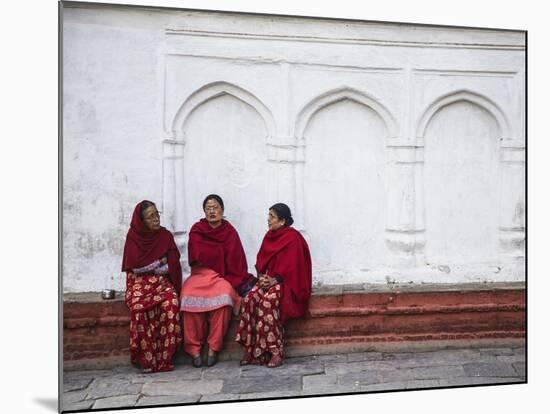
314, 375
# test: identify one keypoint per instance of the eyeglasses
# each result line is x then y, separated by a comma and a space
152, 216
212, 208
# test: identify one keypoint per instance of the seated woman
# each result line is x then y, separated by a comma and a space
153, 280
218, 268
282, 292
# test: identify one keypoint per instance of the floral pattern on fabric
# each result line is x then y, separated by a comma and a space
155, 328
260, 328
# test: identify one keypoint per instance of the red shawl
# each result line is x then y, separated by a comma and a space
219, 249
284, 252
143, 247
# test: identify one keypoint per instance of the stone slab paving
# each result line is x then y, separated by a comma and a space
185, 387
460, 381
72, 397
520, 368
262, 384
105, 387
497, 369
120, 401
220, 397
407, 385
311, 375
164, 400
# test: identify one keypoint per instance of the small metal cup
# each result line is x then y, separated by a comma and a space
108, 294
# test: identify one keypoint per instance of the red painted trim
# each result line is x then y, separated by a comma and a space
99, 329
404, 310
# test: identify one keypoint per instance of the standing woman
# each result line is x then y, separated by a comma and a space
282, 292
153, 280
218, 271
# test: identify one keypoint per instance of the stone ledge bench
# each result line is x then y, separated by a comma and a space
348, 318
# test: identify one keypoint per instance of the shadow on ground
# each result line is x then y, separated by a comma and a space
49, 403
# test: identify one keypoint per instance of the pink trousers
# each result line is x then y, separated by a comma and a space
195, 325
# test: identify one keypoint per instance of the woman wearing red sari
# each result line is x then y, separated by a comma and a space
218, 271
153, 280
282, 292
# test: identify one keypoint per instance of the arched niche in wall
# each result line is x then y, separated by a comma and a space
217, 89
344, 189
224, 130
462, 134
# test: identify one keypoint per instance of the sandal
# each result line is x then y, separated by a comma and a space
247, 360
275, 361
212, 359
197, 361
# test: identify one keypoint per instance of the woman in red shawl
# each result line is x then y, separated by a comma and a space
218, 270
153, 280
282, 292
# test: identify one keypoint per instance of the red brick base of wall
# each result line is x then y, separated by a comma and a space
339, 319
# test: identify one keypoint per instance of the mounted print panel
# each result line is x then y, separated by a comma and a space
394, 155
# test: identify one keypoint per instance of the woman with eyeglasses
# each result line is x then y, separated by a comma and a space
219, 274
283, 290
153, 280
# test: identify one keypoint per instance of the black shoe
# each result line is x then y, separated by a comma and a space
197, 361
212, 359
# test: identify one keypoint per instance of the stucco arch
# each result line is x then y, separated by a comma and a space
340, 94
215, 90
468, 96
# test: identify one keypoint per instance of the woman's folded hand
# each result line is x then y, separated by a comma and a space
266, 281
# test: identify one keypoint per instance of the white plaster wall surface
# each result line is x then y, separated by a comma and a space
399, 148
228, 157
111, 152
345, 223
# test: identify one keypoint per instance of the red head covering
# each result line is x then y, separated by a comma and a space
219, 249
143, 247
285, 252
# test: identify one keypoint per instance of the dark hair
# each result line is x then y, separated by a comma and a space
283, 212
213, 197
144, 206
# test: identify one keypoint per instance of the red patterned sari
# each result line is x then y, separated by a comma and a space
260, 328
284, 254
155, 329
152, 294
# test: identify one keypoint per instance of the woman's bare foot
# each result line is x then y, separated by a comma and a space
275, 361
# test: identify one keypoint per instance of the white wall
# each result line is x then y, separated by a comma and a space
400, 149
